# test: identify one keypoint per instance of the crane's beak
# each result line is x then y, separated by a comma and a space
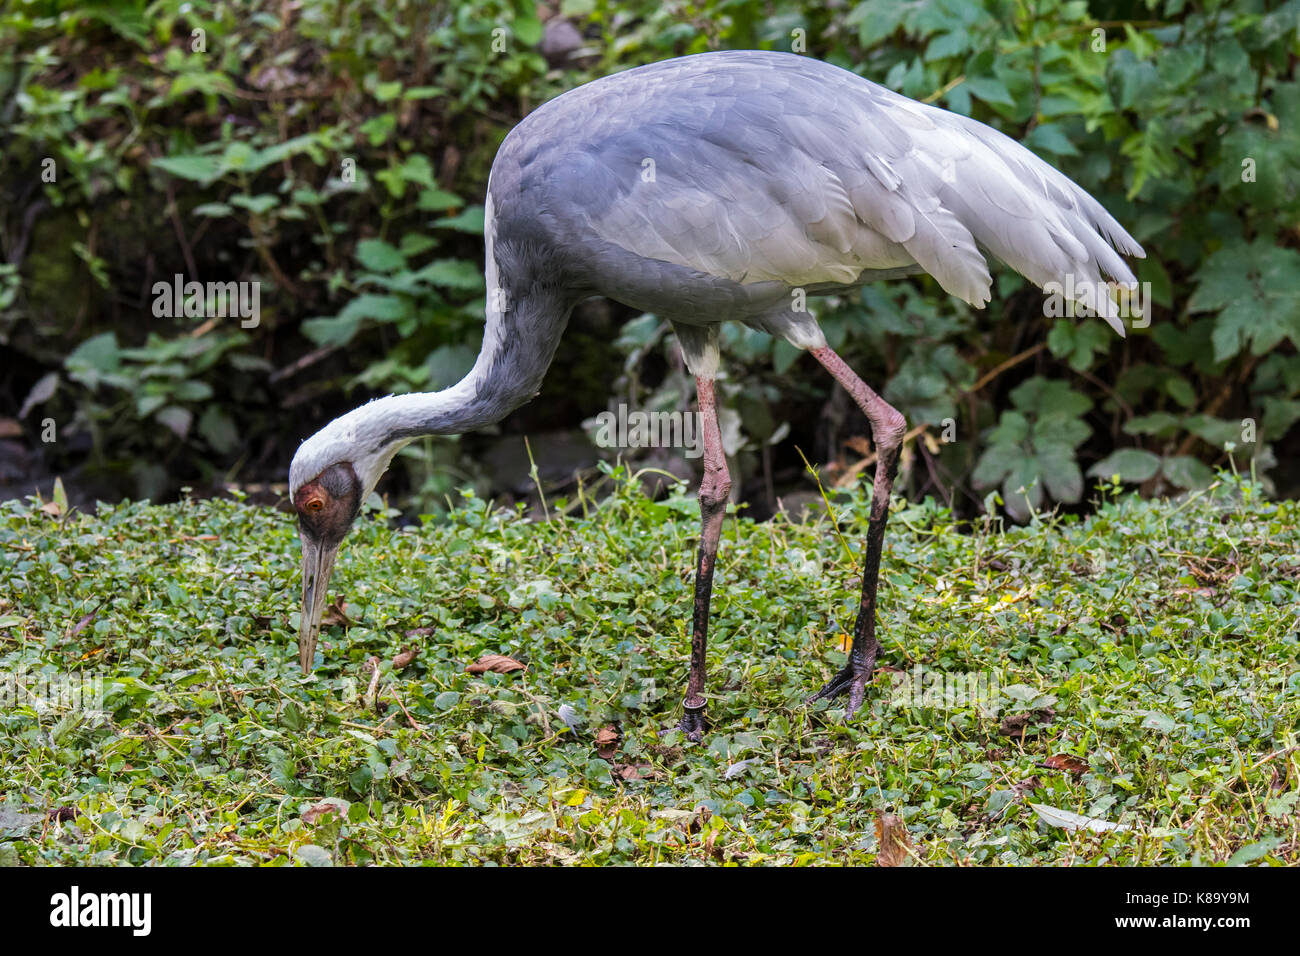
317, 565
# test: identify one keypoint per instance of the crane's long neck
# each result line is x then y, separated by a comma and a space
527, 309
518, 345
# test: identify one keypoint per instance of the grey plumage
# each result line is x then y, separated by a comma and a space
708, 189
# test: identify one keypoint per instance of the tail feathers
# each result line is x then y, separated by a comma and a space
1034, 218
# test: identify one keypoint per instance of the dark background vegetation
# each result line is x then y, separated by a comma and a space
211, 139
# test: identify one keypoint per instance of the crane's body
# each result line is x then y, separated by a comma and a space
715, 188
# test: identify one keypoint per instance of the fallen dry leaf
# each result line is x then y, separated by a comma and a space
1069, 820
892, 840
496, 663
82, 624
1015, 725
1022, 787
371, 667
314, 813
1066, 762
630, 771
1018, 725
859, 444
405, 658
606, 742
336, 613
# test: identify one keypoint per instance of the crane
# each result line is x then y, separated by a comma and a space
712, 188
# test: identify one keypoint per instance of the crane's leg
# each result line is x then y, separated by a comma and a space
887, 429
715, 490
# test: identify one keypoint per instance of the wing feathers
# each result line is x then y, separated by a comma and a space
810, 175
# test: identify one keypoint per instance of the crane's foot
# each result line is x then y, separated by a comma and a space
692, 724
851, 681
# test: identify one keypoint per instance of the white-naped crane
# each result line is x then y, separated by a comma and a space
709, 189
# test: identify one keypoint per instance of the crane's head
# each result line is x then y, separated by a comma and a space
326, 505
332, 473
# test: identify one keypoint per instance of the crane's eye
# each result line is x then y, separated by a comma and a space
315, 504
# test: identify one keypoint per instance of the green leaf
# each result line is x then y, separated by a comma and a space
1216, 432
255, 204
1181, 391
1160, 722
379, 256
1050, 138
527, 28
470, 220
415, 244
784, 355
1159, 424
1184, 471
59, 495
384, 308
1049, 397
448, 364
876, 19
377, 129
384, 92
1022, 492
1256, 289
990, 89
332, 331
192, 391
1012, 429
177, 419
453, 273
1060, 472
218, 430
313, 855
1131, 464
433, 199
94, 360
994, 463
243, 157
201, 169
946, 45
1255, 851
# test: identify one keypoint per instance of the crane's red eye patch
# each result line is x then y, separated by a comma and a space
310, 498
328, 504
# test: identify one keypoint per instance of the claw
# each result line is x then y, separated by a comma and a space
692, 724
850, 680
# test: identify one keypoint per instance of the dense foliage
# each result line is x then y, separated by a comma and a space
1138, 667
337, 153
